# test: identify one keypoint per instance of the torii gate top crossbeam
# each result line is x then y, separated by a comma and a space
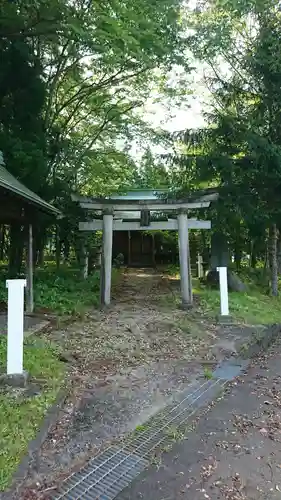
152, 203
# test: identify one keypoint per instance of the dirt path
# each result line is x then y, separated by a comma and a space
124, 365
144, 323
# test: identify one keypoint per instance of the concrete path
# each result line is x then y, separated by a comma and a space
32, 324
235, 451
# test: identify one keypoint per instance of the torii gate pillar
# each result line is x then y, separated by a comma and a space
184, 257
106, 267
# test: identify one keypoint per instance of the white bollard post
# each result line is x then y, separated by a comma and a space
223, 291
15, 326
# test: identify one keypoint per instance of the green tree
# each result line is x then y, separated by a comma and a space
99, 75
151, 172
240, 152
84, 69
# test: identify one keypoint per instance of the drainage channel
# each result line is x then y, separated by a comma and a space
111, 471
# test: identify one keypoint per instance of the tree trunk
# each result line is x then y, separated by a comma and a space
266, 262
29, 269
85, 263
40, 256
253, 261
274, 260
2, 242
238, 253
253, 256
206, 259
66, 250
279, 253
58, 246
16, 250
237, 258
39, 247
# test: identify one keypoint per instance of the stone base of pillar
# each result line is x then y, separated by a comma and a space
18, 380
225, 320
185, 306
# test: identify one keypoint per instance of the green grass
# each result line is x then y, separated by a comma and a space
20, 416
63, 292
208, 374
254, 307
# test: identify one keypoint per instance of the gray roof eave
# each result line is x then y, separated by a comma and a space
10, 183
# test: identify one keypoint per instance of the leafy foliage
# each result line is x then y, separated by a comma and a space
240, 151
62, 291
83, 72
65, 292
151, 174
82, 69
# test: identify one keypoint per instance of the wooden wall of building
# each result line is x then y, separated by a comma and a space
141, 249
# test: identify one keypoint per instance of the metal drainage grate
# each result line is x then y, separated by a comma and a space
106, 475
160, 428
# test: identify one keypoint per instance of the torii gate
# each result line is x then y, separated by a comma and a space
115, 212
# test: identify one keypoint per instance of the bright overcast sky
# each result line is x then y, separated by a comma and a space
176, 118
188, 115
